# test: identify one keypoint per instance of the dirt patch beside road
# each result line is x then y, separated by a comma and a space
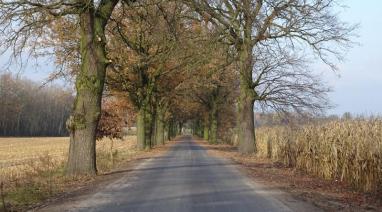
328, 195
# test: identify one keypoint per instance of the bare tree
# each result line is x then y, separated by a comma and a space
284, 83
213, 86
25, 24
159, 50
26, 109
148, 56
295, 25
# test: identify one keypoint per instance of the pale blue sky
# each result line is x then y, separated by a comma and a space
359, 88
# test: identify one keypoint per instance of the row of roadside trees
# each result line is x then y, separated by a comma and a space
175, 61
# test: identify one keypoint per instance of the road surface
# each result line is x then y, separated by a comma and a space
185, 179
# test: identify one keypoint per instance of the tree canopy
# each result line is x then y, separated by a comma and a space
204, 64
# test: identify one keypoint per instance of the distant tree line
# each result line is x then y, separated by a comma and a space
27, 109
269, 119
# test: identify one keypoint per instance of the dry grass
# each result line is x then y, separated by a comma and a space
32, 169
348, 151
329, 195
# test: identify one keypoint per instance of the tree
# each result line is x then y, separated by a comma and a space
158, 52
148, 56
116, 114
251, 26
26, 109
284, 83
213, 86
25, 24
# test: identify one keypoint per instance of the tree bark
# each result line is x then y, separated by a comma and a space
165, 133
149, 122
247, 142
153, 128
159, 126
171, 130
213, 134
206, 128
141, 135
214, 122
83, 122
246, 130
206, 132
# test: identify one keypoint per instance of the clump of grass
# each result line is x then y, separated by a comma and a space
36, 180
348, 150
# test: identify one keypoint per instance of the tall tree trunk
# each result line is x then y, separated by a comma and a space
169, 126
83, 122
180, 127
247, 142
165, 133
214, 122
149, 129
197, 128
213, 134
206, 128
160, 126
214, 117
153, 129
141, 138
246, 130
171, 129
153, 126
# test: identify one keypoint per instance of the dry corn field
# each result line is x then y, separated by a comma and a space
349, 151
29, 165
16, 154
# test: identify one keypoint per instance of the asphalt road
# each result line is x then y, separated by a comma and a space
185, 179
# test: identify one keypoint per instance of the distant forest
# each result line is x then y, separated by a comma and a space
27, 109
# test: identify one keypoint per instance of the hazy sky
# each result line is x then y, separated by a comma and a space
359, 87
